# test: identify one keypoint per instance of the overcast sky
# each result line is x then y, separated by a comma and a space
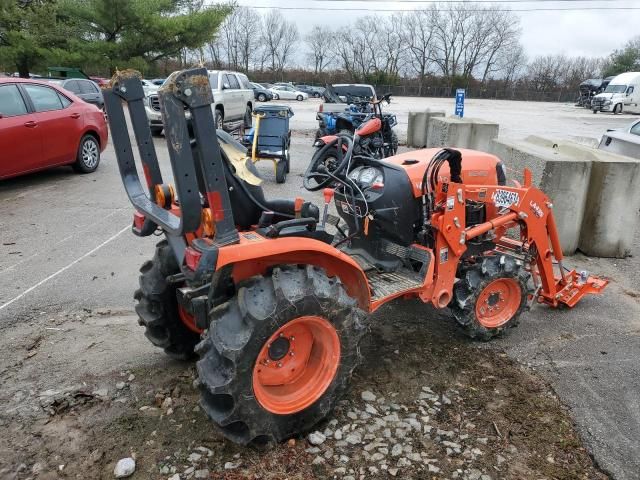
580, 32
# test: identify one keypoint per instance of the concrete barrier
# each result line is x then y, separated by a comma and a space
470, 133
595, 205
482, 132
612, 209
562, 176
418, 127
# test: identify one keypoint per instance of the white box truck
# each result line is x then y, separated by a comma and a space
622, 94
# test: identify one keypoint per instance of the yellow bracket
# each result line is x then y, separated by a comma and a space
256, 132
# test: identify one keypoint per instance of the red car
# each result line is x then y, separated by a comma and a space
43, 126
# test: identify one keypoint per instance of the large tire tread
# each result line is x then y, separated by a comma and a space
473, 280
238, 330
157, 306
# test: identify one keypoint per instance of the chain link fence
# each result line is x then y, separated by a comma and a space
479, 92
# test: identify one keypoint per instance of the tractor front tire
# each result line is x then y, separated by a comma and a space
490, 296
279, 355
157, 306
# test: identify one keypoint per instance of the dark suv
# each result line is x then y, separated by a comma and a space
87, 90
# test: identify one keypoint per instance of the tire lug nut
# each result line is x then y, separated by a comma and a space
279, 364
291, 354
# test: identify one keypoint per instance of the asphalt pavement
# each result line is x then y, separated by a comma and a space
65, 246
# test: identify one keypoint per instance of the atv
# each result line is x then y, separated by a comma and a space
272, 303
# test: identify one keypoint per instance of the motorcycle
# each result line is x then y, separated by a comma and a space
332, 123
373, 138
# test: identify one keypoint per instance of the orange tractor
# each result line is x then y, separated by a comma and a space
272, 303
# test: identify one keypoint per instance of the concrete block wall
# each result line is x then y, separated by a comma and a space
470, 133
418, 128
595, 194
612, 211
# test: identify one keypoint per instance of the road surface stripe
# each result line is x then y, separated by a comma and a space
55, 274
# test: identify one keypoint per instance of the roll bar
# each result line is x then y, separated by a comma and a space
188, 90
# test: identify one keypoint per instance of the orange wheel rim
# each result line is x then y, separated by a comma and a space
296, 365
498, 302
188, 320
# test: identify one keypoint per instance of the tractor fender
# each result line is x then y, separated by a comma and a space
254, 255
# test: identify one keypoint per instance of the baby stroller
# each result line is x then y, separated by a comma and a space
270, 137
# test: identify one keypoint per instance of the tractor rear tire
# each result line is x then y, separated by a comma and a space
490, 296
157, 306
236, 355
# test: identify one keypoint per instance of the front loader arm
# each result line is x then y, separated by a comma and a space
533, 211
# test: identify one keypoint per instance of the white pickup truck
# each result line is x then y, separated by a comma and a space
232, 100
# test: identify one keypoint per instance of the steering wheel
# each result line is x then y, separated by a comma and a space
327, 162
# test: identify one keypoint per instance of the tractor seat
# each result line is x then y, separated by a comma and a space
247, 200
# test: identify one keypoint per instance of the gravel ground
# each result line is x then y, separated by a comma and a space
83, 389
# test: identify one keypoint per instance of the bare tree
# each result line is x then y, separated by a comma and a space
468, 40
503, 37
390, 47
278, 37
546, 73
238, 41
450, 37
372, 47
417, 35
319, 41
215, 53
512, 64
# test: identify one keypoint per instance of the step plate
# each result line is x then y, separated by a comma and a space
385, 284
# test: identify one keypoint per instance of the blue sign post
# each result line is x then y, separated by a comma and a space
460, 93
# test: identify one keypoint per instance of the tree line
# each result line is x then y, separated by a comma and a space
426, 51
420, 52
102, 35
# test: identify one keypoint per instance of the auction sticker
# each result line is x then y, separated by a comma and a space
505, 198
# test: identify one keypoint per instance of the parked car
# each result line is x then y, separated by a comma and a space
622, 93
260, 93
42, 126
232, 100
87, 90
315, 92
101, 81
148, 87
287, 92
158, 81
624, 141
